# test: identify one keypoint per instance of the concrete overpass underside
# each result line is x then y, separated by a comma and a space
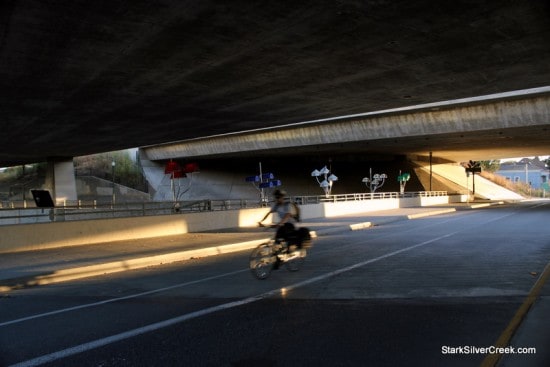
87, 77
79, 78
481, 129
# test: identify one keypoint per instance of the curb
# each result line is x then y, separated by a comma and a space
360, 226
427, 214
122, 265
484, 205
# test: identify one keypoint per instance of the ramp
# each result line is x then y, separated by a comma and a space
455, 176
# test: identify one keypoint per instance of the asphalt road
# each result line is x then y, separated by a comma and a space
424, 292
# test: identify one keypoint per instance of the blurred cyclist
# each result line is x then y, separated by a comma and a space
283, 208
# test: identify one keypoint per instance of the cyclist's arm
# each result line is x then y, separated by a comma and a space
265, 217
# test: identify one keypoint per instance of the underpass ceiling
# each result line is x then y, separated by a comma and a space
87, 77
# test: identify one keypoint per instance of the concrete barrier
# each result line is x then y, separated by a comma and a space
27, 237
329, 209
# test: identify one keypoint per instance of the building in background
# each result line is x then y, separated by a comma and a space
530, 171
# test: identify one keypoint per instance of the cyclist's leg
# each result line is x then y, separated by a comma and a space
286, 231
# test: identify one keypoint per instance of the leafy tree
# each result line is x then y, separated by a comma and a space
490, 165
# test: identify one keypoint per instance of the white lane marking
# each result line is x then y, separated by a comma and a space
162, 324
63, 310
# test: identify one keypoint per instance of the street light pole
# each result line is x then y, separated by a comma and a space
113, 164
263, 181
263, 199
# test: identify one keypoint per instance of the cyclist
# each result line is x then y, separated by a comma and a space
288, 213
283, 208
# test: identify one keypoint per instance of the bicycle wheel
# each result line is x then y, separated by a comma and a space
261, 261
296, 259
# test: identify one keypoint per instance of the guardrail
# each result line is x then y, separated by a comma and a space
27, 212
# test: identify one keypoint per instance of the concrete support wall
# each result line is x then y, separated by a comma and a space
217, 184
58, 234
60, 180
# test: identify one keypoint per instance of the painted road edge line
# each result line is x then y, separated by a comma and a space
503, 341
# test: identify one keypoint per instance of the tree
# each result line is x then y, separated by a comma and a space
490, 165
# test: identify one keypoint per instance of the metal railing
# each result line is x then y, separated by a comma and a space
366, 196
27, 212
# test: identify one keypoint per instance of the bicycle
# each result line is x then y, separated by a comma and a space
270, 255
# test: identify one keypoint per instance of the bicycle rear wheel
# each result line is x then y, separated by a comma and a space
296, 259
261, 261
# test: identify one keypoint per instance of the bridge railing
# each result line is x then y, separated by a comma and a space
27, 212
365, 196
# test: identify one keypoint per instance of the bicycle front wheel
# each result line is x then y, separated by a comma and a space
261, 261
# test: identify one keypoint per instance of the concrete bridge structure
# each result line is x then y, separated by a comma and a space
488, 127
82, 78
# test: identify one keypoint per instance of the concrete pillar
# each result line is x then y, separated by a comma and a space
60, 180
